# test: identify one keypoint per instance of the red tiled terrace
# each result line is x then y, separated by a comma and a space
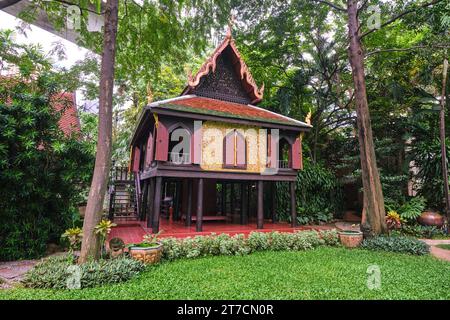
133, 231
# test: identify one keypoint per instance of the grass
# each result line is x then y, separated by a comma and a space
445, 246
323, 273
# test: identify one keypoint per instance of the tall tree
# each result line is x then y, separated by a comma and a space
442, 136
373, 220
90, 245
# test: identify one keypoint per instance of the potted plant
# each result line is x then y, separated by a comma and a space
350, 238
148, 251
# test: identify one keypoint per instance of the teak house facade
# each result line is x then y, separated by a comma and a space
211, 150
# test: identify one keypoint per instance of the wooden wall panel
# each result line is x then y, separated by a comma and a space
149, 153
296, 154
136, 158
162, 142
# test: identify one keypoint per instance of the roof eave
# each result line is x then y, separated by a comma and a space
187, 114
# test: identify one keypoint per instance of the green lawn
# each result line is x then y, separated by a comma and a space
445, 246
323, 273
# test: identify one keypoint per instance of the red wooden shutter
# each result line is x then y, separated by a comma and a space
273, 142
229, 149
196, 144
241, 151
136, 158
301, 153
162, 142
149, 152
295, 154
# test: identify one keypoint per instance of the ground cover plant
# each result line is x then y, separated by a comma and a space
396, 244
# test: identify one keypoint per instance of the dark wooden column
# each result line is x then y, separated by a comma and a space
249, 199
260, 214
232, 201
157, 205
199, 226
189, 204
150, 201
177, 200
244, 203
143, 212
273, 201
222, 200
293, 205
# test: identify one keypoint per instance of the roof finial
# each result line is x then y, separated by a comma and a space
231, 22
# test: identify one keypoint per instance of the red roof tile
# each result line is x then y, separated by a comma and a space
69, 122
228, 109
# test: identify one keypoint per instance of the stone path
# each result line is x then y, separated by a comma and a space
438, 252
13, 271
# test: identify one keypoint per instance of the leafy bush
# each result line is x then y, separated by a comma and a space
393, 220
396, 244
224, 244
53, 273
330, 237
258, 241
42, 171
427, 156
412, 209
418, 231
319, 195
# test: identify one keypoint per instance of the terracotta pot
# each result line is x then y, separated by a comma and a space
350, 238
150, 255
431, 218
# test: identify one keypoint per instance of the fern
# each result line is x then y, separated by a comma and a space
412, 209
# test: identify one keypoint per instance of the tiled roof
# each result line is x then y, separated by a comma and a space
69, 122
208, 106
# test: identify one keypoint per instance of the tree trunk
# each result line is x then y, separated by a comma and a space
90, 247
442, 136
373, 221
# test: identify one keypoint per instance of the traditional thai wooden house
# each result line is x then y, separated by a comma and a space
212, 150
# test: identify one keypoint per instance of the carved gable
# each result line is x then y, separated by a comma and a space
223, 83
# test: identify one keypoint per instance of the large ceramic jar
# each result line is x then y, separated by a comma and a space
148, 255
350, 238
431, 218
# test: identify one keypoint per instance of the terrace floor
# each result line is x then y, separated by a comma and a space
133, 231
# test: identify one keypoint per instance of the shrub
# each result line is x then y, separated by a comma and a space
319, 195
74, 236
42, 171
52, 273
393, 220
396, 244
412, 209
258, 241
330, 237
418, 231
224, 244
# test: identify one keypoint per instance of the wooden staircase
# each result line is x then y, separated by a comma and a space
124, 194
